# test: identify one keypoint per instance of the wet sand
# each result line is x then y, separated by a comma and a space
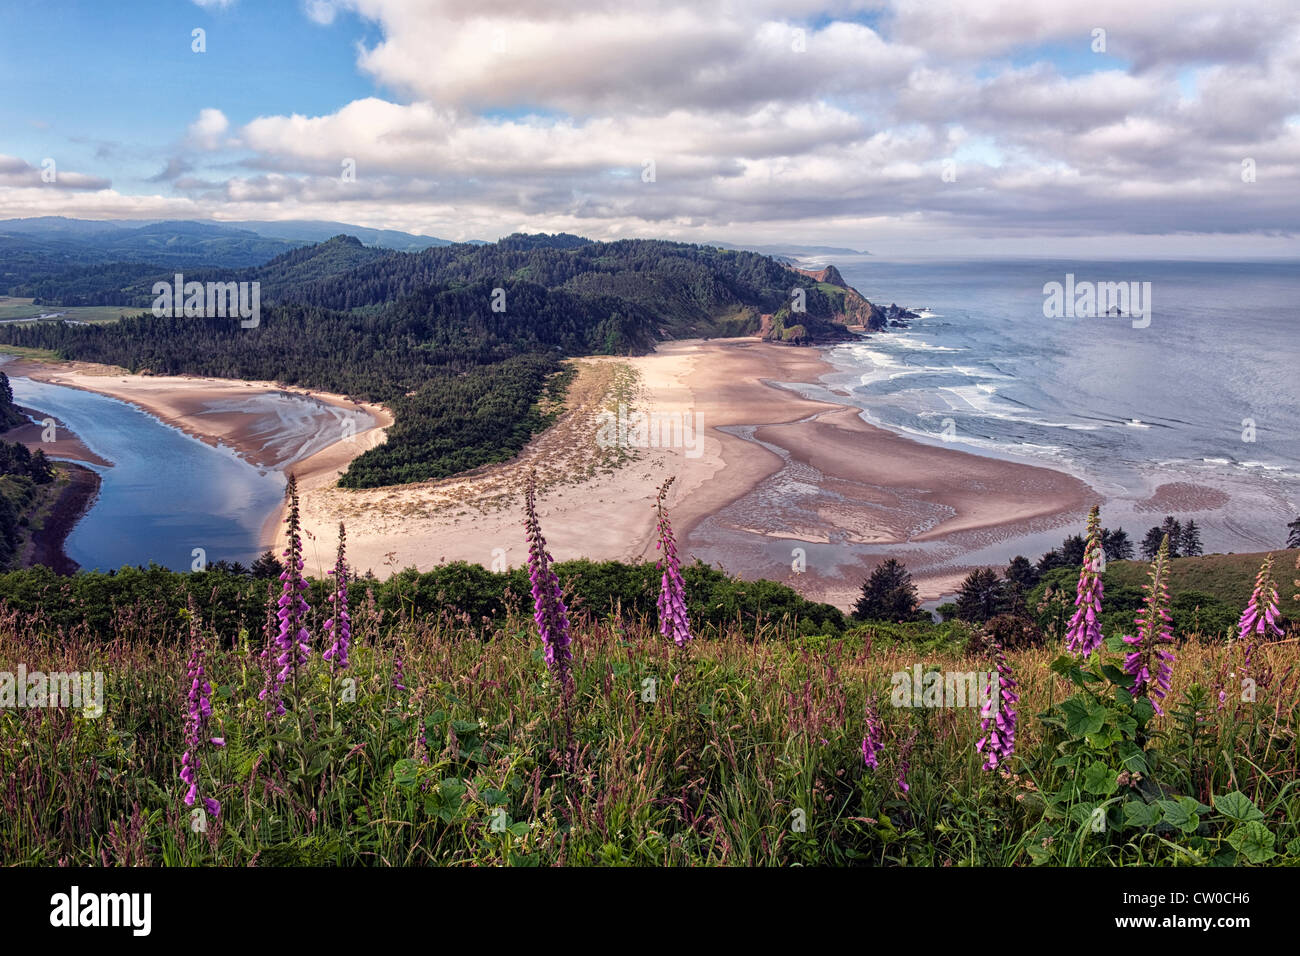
768, 471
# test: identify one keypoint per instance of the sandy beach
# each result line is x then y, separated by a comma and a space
760, 472
767, 471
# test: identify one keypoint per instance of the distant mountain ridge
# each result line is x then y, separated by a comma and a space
36, 249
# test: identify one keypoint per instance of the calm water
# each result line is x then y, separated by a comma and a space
166, 494
1125, 408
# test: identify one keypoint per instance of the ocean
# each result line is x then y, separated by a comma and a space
1202, 395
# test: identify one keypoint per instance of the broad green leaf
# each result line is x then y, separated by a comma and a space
1236, 806
1080, 719
1100, 779
1063, 665
1181, 813
405, 771
1131, 758
1139, 814
1254, 841
1039, 855
1114, 674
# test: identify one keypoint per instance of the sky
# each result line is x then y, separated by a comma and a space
1061, 127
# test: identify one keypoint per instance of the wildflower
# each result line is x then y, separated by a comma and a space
398, 674
674, 621
1084, 633
998, 716
1260, 615
292, 639
340, 624
196, 719
266, 659
874, 742
1153, 631
549, 612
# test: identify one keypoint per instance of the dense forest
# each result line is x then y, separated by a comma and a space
461, 341
21, 472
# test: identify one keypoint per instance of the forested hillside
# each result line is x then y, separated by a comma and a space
21, 472
444, 334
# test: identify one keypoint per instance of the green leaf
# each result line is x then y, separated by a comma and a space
1039, 855
1100, 779
1115, 675
1237, 807
1293, 848
1181, 813
452, 790
1102, 738
1063, 665
465, 726
1082, 719
1132, 758
405, 772
1139, 814
1143, 711
1254, 841
493, 797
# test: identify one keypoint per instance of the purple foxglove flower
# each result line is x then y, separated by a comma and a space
293, 642
340, 625
1084, 633
549, 610
998, 715
874, 742
198, 711
1261, 613
1149, 663
674, 621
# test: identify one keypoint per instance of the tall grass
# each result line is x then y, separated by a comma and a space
744, 749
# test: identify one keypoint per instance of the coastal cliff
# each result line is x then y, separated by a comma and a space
841, 309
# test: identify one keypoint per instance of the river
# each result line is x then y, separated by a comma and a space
168, 498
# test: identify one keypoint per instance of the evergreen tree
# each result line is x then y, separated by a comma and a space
1117, 545
888, 595
267, 566
982, 596
1021, 575
1174, 529
1151, 543
1189, 542
1072, 550
1050, 560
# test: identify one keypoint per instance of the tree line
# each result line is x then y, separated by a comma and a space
460, 341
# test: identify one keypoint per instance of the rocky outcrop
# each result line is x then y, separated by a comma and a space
849, 306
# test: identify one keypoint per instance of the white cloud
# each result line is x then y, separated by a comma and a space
207, 131
510, 113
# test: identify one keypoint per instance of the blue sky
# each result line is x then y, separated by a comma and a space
828, 122
91, 73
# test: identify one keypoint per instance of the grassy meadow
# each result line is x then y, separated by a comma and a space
446, 742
